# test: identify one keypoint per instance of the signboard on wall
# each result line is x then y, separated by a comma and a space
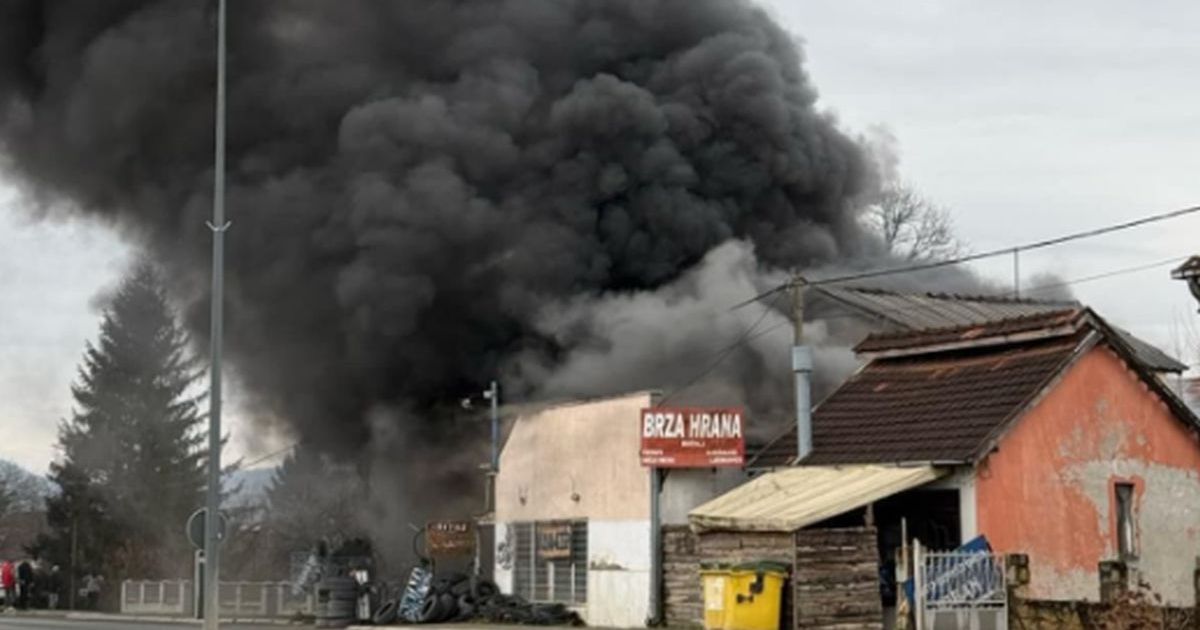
553, 540
693, 437
450, 538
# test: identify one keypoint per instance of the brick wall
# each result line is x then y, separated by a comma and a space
1127, 602
836, 579
684, 552
1033, 614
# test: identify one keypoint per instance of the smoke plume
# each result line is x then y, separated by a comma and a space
417, 188
567, 194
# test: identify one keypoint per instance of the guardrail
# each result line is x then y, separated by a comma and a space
239, 600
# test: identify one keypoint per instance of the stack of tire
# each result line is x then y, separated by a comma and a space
454, 597
337, 599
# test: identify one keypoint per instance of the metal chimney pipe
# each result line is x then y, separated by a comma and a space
802, 367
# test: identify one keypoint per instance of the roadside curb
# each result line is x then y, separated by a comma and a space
90, 616
85, 616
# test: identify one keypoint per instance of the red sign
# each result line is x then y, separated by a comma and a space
450, 538
693, 437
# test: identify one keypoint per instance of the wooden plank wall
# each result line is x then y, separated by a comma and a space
836, 579
684, 552
835, 574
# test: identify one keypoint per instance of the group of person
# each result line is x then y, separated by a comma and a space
28, 584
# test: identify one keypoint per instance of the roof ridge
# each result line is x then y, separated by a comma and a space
1050, 316
959, 297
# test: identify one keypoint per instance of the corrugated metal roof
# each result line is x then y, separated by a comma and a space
931, 311
913, 311
789, 499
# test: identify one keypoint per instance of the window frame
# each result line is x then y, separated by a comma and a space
532, 576
1125, 508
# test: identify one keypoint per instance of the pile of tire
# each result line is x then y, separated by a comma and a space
458, 598
515, 609
336, 601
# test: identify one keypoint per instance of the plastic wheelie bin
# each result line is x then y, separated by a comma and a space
754, 596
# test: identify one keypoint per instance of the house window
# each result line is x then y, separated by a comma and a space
1125, 522
550, 561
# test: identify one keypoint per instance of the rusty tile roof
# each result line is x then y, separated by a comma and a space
975, 334
929, 408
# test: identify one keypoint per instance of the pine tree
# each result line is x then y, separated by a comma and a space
131, 456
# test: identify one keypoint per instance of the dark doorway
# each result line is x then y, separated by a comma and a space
931, 516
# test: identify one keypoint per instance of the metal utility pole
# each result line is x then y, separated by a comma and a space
218, 226
74, 558
493, 395
802, 367
1016, 273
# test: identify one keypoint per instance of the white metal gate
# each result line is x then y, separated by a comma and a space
960, 589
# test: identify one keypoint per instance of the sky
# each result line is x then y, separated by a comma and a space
1025, 119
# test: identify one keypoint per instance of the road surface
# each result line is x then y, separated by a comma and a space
8, 622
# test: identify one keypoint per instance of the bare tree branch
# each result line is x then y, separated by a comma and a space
21, 490
913, 227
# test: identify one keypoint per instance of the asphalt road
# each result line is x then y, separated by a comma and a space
31, 623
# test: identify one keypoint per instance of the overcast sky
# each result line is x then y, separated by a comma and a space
1026, 119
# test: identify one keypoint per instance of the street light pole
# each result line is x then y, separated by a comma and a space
218, 226
493, 395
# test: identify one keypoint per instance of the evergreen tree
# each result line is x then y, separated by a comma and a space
131, 456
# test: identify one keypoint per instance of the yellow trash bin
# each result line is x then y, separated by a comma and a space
754, 596
717, 591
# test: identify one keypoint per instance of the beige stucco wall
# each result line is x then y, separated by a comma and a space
577, 460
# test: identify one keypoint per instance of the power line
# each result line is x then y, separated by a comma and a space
1108, 274
749, 334
724, 353
269, 456
938, 264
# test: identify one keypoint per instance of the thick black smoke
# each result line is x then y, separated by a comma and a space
412, 183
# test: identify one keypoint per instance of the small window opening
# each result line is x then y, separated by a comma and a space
1125, 522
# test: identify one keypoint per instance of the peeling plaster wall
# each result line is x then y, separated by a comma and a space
575, 461
1049, 488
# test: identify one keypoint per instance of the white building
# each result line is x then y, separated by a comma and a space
573, 508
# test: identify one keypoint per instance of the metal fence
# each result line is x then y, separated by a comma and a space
239, 600
166, 597
562, 578
960, 589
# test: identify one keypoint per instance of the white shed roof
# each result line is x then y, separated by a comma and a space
788, 499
